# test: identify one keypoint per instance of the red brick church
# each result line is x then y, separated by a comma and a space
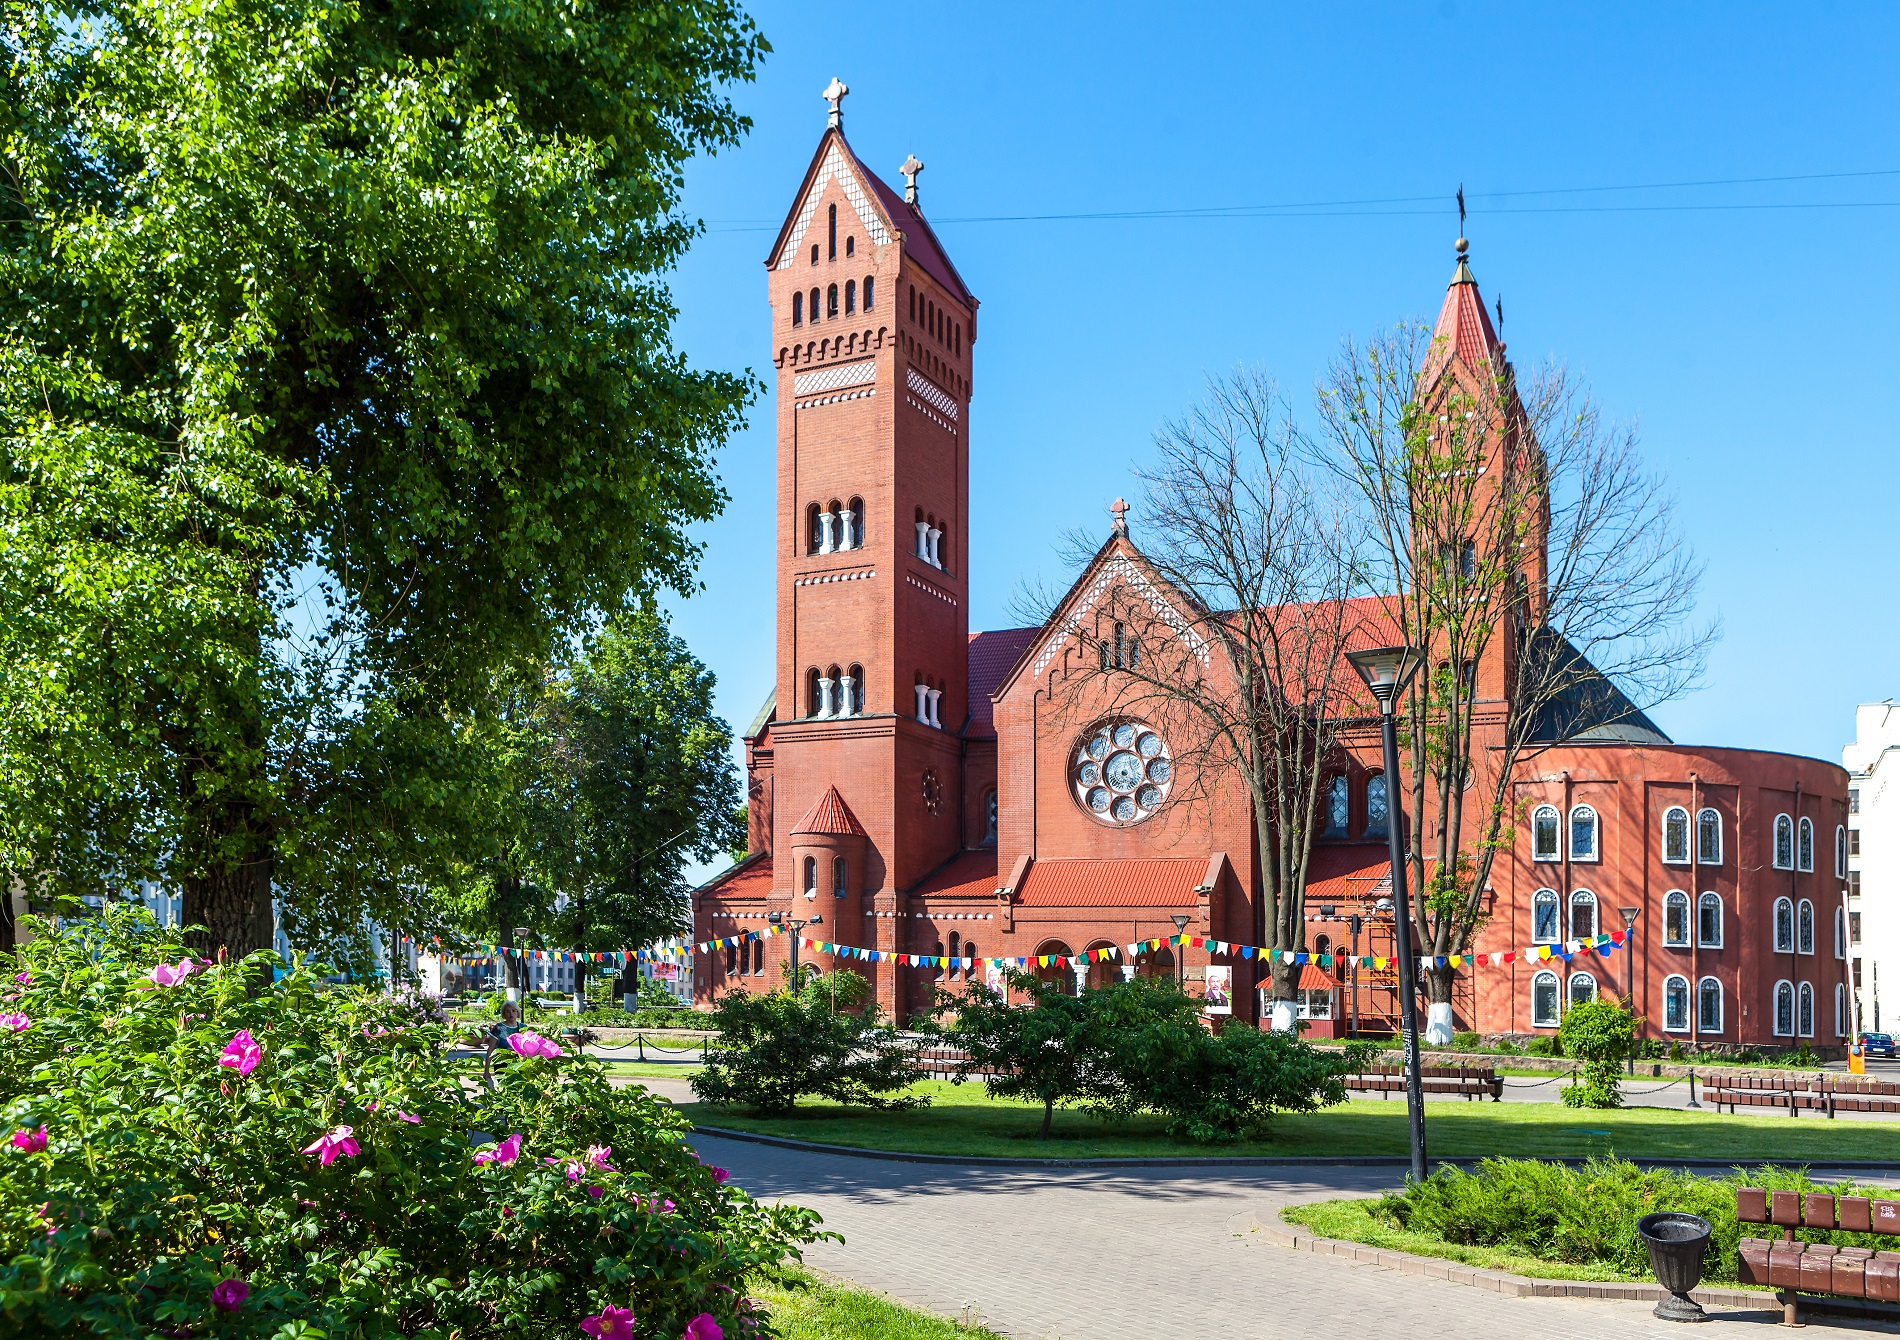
926, 789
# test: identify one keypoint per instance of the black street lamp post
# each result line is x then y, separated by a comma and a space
1354, 924
1630, 914
1180, 920
1387, 670
792, 929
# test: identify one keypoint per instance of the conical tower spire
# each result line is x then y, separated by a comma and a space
1464, 330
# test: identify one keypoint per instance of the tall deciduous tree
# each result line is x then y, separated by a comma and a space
335, 376
1535, 561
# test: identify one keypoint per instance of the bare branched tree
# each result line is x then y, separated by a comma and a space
1533, 559
1228, 628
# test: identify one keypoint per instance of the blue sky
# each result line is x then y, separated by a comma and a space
1747, 328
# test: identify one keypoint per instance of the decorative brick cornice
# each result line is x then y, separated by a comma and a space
822, 578
928, 589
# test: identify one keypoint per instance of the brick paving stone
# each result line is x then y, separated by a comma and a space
1101, 1254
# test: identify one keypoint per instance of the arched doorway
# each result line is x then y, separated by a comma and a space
1157, 964
1060, 974
1105, 972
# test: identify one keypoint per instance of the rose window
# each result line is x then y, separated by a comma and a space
1121, 772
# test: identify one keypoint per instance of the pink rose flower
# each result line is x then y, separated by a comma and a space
529, 1043
15, 1023
610, 1323
31, 1141
593, 1192
242, 1053
229, 1295
339, 1143
598, 1155
507, 1151
720, 1175
22, 977
703, 1327
171, 974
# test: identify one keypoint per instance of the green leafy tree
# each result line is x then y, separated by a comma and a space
1599, 1034
1044, 1048
777, 1048
166, 1171
335, 376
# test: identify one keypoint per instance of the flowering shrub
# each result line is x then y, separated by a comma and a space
204, 1154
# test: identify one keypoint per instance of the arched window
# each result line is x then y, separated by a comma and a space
1804, 927
1337, 810
1804, 1010
1322, 945
870, 292
989, 817
854, 524
1583, 915
1544, 834
814, 528
813, 697
1840, 1009
798, 308
840, 877
956, 953
1784, 925
1840, 932
831, 246
1708, 994
1708, 837
1840, 852
1583, 988
851, 244
1676, 835
732, 960
1583, 834
969, 957
1676, 1004
853, 691
1546, 925
938, 955
1708, 925
814, 261
1545, 1010
1784, 1009
850, 296
811, 876
758, 958
1784, 842
814, 292
1804, 846
1676, 932
913, 301
1375, 806
831, 300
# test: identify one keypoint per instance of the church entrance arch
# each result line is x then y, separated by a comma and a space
1060, 974
1106, 972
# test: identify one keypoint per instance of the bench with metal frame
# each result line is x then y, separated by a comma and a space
1459, 1081
1826, 1094
1793, 1268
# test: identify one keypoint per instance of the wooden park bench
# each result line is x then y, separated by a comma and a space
1460, 1081
945, 1063
1792, 1268
1826, 1094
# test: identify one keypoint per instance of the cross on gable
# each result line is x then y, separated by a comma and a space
834, 94
1119, 509
909, 172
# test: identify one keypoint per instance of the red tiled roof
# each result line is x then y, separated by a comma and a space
920, 243
969, 875
1344, 874
992, 656
1464, 327
751, 878
1137, 882
1315, 979
831, 816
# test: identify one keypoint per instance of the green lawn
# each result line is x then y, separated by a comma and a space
653, 1069
963, 1120
806, 1307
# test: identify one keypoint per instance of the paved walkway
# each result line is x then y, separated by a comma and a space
1061, 1254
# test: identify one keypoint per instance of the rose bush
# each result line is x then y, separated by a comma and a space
206, 1153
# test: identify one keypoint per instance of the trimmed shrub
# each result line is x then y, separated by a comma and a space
775, 1049
1045, 1048
199, 1151
1599, 1034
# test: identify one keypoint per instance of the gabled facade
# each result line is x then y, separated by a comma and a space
927, 790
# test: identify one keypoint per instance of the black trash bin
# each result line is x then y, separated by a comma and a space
1676, 1243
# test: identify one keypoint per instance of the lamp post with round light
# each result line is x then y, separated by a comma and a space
1630, 914
1180, 920
1387, 670
792, 929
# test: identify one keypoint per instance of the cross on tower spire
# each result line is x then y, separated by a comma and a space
834, 94
1119, 509
909, 172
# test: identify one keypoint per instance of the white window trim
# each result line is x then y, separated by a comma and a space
1721, 1005
1688, 994
1774, 1016
1558, 900
1596, 833
1576, 899
1688, 919
1840, 1009
1774, 925
1558, 855
1688, 837
1805, 826
1556, 982
1812, 928
1840, 933
1774, 848
1701, 858
1596, 989
1721, 921
1840, 851
1807, 989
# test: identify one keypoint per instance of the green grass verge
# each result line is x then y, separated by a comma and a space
963, 1120
805, 1307
653, 1069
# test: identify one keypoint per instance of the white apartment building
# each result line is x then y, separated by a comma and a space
1873, 861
